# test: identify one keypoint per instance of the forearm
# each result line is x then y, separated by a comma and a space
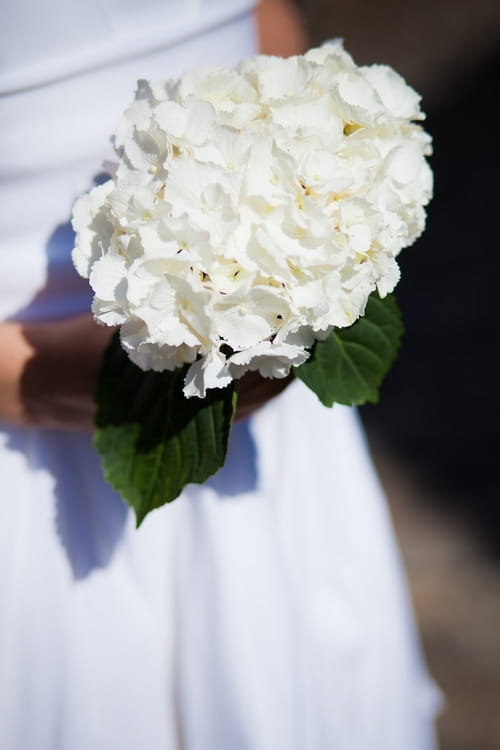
48, 372
15, 353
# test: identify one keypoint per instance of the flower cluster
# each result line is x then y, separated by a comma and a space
252, 210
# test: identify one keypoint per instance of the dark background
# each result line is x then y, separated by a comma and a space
440, 405
435, 434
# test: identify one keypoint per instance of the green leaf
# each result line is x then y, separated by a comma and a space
349, 365
152, 440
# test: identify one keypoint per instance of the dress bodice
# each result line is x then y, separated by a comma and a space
44, 40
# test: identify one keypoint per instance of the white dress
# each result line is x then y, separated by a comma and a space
266, 610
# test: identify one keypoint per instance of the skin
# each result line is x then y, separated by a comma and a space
281, 28
48, 371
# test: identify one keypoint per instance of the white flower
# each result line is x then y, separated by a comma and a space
253, 210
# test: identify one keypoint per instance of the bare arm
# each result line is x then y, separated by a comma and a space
48, 371
15, 352
48, 374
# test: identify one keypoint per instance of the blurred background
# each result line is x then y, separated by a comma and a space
435, 435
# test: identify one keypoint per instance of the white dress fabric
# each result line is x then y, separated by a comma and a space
266, 610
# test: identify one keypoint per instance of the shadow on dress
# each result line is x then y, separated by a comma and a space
239, 473
90, 517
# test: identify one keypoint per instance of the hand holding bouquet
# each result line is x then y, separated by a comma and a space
251, 223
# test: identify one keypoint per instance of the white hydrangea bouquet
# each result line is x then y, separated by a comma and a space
251, 223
